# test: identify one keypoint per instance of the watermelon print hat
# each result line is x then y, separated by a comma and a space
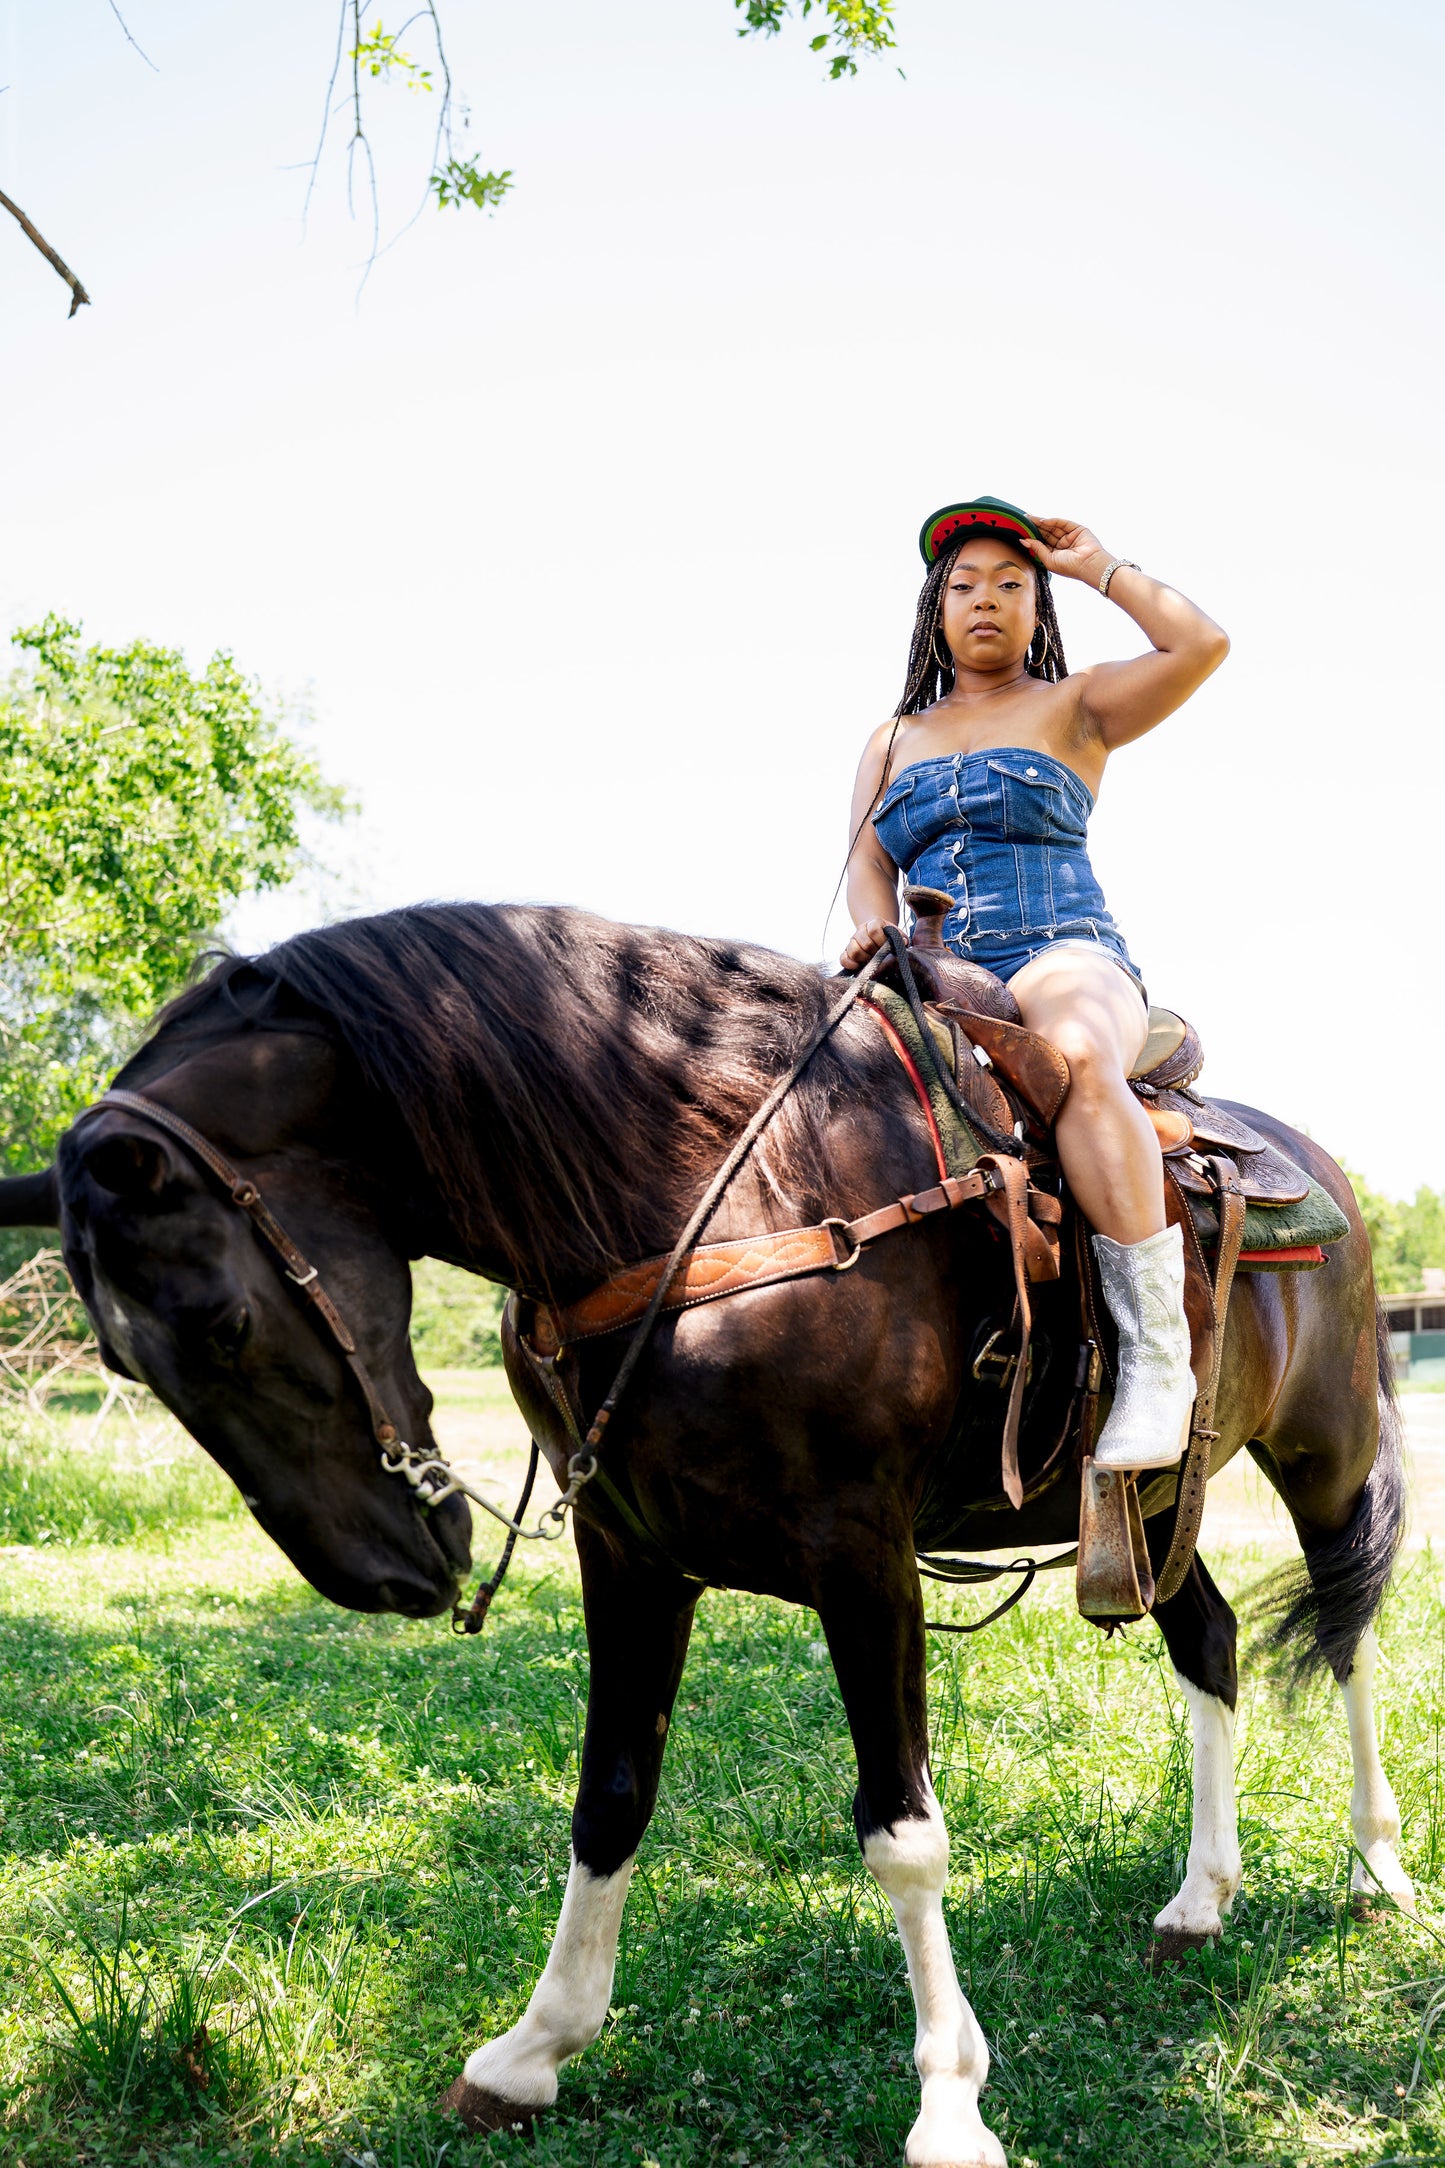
945, 526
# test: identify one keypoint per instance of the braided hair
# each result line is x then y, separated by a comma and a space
929, 679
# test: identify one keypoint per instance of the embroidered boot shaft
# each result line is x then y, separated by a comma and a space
1148, 1425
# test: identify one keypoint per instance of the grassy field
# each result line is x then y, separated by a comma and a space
270, 1870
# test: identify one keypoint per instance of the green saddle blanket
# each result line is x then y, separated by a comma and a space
962, 1149
1315, 1219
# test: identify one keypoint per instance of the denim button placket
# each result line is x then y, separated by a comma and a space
950, 824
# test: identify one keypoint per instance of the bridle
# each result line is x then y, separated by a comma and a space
430, 1476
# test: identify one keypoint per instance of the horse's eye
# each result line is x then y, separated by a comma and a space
227, 1336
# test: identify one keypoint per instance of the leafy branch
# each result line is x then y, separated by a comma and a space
373, 54
851, 28
854, 27
460, 181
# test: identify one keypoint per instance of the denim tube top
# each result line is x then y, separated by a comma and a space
1005, 833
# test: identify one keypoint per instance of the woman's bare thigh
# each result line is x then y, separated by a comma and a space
1073, 993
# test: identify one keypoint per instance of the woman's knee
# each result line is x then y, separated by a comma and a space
1094, 1059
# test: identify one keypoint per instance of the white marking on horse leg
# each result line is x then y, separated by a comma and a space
1211, 1875
910, 1865
569, 2002
1374, 1816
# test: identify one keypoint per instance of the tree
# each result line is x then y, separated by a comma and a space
367, 53
137, 804
1405, 1236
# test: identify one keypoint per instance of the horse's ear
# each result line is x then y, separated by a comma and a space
30, 1200
129, 1165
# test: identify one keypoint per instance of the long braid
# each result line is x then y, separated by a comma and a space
929, 679
1053, 667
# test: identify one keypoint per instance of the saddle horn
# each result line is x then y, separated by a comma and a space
944, 976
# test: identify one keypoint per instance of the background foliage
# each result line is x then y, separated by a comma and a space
1406, 1235
454, 1318
138, 802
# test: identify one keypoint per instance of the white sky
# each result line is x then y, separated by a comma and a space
1173, 271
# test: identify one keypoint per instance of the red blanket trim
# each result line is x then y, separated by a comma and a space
915, 1080
1305, 1253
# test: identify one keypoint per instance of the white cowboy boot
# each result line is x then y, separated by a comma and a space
1148, 1425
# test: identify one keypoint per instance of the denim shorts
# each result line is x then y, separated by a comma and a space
1005, 833
1006, 961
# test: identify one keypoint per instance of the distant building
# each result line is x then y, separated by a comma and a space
1417, 1328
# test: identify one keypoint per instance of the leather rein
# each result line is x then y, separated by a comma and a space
690, 1274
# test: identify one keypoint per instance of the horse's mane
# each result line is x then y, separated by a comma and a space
567, 1080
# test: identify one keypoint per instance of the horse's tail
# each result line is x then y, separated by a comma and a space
1321, 1607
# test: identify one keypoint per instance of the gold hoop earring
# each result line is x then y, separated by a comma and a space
945, 662
1037, 662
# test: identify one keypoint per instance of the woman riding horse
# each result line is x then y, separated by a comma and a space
981, 784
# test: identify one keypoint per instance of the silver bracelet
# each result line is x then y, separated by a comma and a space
1115, 564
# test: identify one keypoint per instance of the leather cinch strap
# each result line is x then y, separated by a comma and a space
1194, 1476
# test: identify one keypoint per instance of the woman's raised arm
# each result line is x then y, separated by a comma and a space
1121, 700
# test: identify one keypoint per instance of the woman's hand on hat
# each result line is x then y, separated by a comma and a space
866, 940
1068, 549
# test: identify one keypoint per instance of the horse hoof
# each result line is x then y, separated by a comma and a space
1172, 1944
481, 2110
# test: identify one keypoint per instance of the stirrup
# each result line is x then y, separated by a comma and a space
1113, 1581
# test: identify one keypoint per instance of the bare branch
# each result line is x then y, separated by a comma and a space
359, 136
444, 116
125, 26
79, 298
326, 109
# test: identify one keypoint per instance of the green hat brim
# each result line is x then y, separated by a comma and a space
976, 515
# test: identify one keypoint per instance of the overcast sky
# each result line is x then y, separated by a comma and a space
589, 530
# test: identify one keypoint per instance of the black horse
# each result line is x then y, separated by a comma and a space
541, 1096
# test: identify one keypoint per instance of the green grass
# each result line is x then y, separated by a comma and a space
62, 1481
270, 1871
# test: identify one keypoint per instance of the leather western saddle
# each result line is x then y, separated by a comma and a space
1012, 1084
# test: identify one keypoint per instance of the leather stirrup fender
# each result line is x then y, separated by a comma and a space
1037, 1071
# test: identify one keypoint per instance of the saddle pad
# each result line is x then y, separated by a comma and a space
961, 1148
1315, 1218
